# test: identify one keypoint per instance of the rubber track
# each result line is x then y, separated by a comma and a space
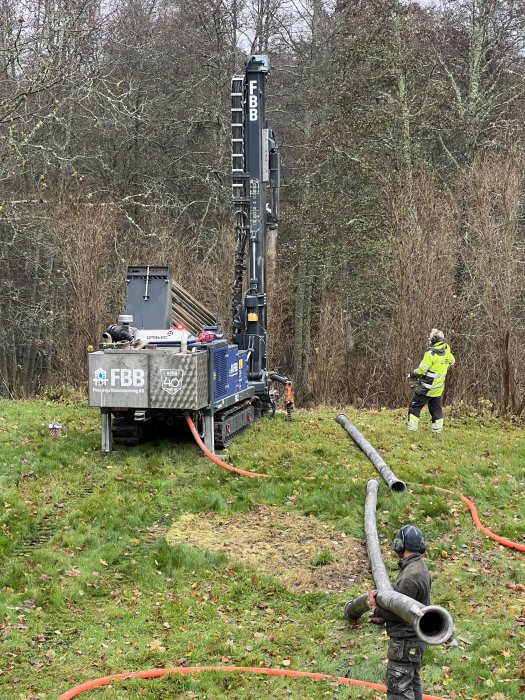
221, 415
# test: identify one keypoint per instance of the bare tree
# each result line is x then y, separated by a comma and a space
419, 265
492, 252
479, 45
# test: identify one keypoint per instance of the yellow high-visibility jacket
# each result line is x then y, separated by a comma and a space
433, 368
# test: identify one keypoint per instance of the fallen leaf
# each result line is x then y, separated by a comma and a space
156, 644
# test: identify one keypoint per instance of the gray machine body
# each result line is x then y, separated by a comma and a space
142, 379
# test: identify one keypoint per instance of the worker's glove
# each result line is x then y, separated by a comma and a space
377, 620
412, 380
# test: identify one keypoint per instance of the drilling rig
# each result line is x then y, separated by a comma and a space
166, 357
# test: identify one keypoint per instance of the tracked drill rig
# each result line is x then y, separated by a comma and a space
166, 357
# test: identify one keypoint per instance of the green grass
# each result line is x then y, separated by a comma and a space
103, 593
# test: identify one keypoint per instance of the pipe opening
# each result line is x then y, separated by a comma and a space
435, 625
398, 486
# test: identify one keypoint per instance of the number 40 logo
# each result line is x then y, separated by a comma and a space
171, 380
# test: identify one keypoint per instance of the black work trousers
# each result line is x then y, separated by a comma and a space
419, 400
404, 661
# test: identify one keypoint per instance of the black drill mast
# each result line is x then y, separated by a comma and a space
255, 185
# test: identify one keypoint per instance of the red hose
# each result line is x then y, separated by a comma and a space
215, 459
501, 540
185, 670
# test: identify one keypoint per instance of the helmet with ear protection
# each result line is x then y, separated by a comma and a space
411, 538
436, 335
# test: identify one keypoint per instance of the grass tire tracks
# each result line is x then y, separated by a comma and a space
42, 531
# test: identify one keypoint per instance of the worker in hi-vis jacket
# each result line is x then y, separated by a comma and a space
430, 377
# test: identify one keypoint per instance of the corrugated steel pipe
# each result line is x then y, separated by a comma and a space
432, 623
393, 483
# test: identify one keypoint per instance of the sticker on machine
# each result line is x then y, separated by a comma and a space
171, 380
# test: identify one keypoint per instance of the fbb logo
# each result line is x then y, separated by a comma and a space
119, 377
253, 101
127, 377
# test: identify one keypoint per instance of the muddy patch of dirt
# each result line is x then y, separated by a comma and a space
303, 553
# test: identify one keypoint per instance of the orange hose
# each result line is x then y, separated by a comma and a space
215, 459
501, 540
185, 670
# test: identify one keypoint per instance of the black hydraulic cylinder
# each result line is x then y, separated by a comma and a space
393, 483
432, 623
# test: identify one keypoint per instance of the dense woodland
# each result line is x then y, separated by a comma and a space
401, 130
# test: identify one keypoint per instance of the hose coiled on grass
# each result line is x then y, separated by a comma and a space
186, 670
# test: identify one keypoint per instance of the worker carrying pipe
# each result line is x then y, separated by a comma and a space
411, 622
429, 382
405, 650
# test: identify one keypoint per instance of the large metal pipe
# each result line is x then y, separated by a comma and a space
178, 304
432, 623
356, 607
379, 463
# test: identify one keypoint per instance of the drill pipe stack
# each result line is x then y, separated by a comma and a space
432, 623
188, 311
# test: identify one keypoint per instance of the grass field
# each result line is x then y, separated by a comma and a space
136, 559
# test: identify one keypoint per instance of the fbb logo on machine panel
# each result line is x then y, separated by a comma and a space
119, 379
253, 101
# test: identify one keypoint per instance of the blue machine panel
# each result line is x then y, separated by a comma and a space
237, 371
233, 369
230, 370
220, 371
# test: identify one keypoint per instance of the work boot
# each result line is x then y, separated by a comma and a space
413, 422
437, 427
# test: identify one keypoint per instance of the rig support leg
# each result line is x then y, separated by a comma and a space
209, 429
105, 430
